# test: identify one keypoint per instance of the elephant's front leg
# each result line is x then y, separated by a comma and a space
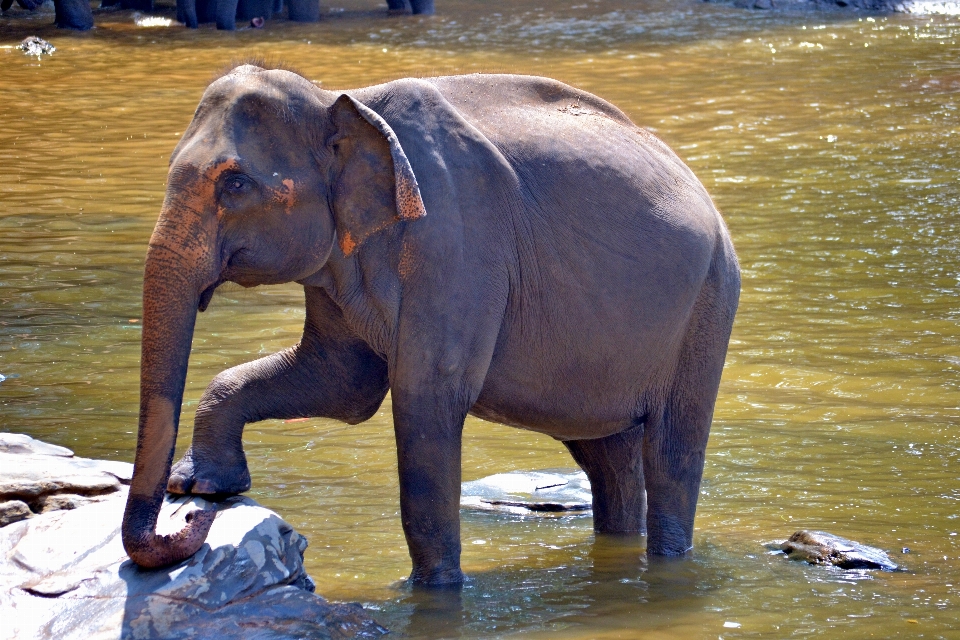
265, 388
329, 374
428, 429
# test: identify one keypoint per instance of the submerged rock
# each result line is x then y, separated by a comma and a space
64, 574
556, 492
819, 547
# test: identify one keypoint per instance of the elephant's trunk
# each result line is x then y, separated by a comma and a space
171, 294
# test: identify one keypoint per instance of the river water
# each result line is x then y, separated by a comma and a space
829, 142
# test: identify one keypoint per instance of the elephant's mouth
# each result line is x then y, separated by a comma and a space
207, 294
242, 269
235, 270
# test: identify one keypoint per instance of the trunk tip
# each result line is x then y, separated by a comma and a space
150, 551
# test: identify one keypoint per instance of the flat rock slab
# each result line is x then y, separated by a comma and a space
22, 443
544, 493
44, 477
819, 547
29, 476
65, 575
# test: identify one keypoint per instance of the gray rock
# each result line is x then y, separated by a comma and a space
819, 547
13, 511
34, 471
550, 492
22, 443
28, 477
65, 502
122, 471
65, 575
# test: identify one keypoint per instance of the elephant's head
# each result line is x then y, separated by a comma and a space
271, 174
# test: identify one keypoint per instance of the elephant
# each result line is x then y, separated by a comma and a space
69, 14
498, 245
226, 12
73, 14
424, 7
29, 5
136, 5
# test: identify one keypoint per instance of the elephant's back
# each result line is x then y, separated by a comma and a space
485, 98
563, 141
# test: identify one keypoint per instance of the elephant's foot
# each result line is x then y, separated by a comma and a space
228, 476
668, 535
422, 7
437, 578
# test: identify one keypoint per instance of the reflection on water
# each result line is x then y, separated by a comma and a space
828, 141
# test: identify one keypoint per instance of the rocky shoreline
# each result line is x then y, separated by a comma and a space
64, 573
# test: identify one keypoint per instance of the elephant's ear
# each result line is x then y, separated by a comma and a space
375, 186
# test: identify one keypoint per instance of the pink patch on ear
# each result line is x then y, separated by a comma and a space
409, 204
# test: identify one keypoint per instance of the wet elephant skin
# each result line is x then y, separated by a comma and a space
506, 246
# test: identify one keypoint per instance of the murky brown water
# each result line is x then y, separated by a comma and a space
828, 140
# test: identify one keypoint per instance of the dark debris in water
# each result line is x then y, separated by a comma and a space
34, 46
819, 547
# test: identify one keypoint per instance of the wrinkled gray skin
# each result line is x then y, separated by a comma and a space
505, 246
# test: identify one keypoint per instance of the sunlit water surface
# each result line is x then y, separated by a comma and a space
829, 141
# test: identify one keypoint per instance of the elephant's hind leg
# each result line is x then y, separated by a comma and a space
675, 438
614, 466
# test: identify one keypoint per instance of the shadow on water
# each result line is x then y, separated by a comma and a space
595, 589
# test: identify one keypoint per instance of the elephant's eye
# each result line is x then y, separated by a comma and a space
236, 184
